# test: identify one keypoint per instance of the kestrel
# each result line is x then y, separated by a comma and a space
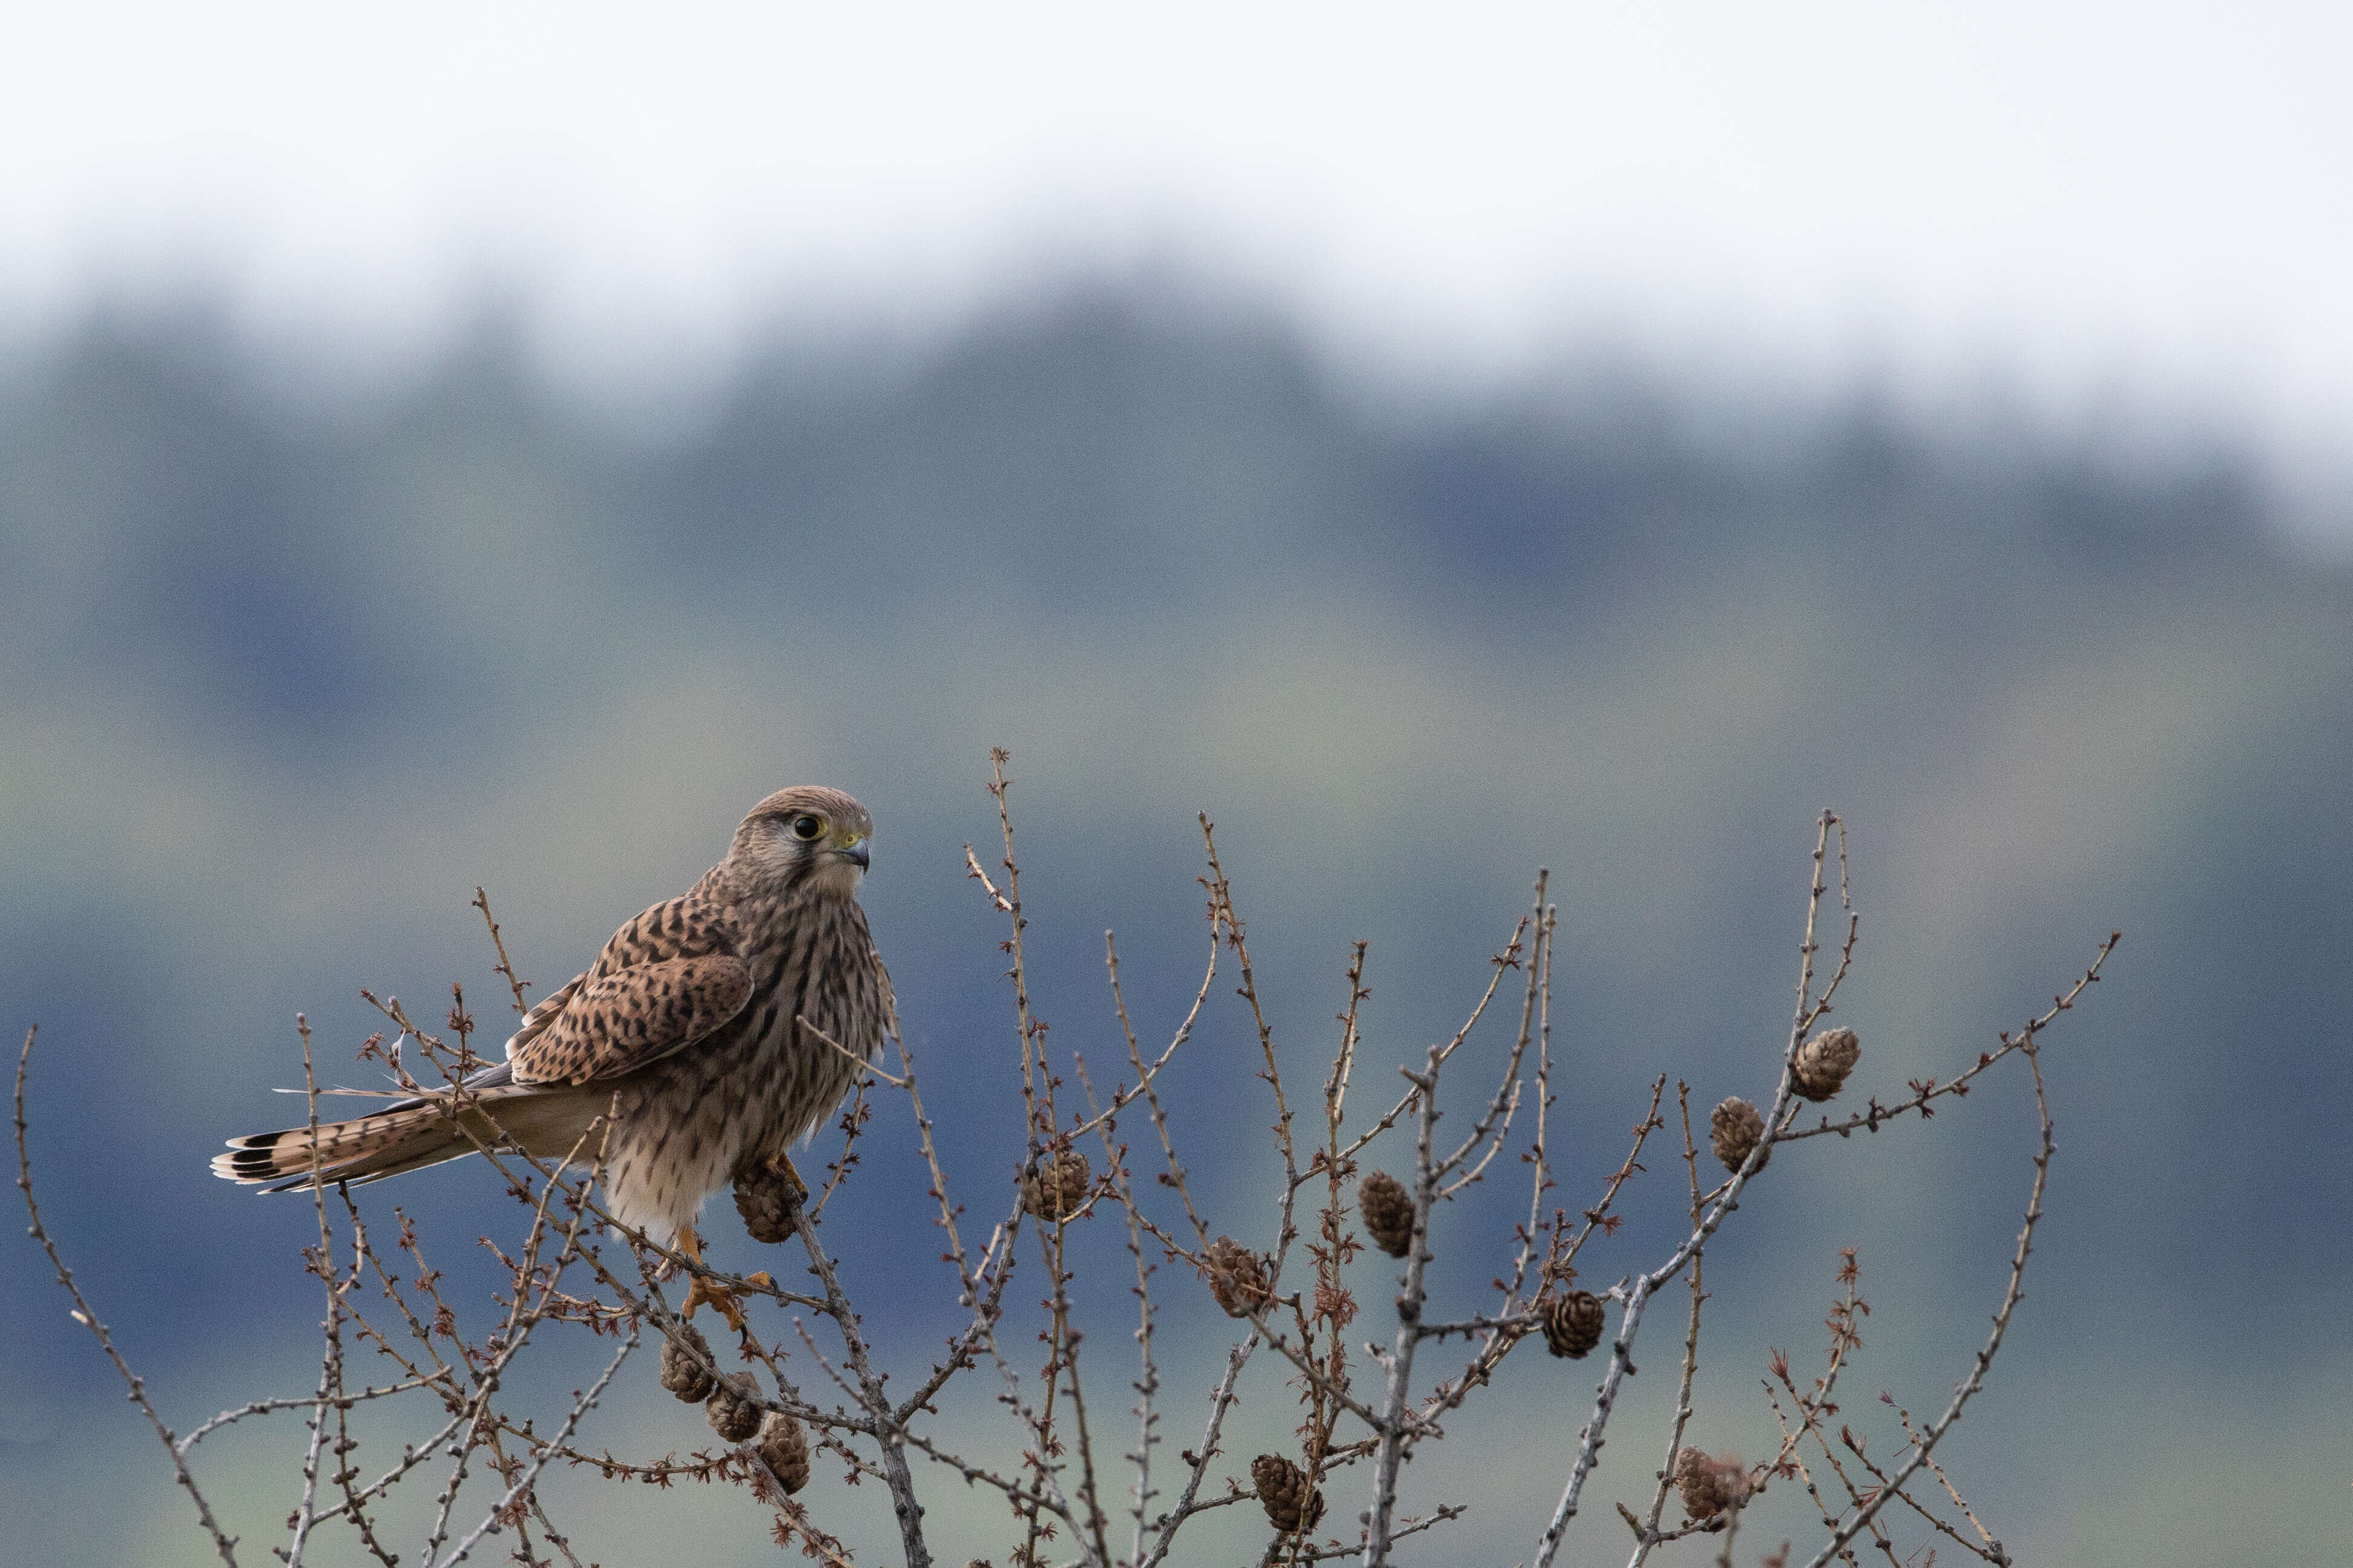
685, 1027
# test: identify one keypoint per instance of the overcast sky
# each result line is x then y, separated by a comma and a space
2141, 201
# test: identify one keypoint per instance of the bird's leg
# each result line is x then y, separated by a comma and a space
698, 1290
770, 1201
702, 1287
800, 1188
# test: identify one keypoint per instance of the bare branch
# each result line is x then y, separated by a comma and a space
451, 1360
2010, 1297
88, 1318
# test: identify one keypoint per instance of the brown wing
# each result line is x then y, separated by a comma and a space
543, 1013
619, 1022
665, 979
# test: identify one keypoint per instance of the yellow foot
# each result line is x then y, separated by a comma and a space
702, 1287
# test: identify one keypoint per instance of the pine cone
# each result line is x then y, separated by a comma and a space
1824, 1061
1710, 1486
1283, 1492
679, 1374
1573, 1323
1238, 1277
770, 1203
783, 1449
1387, 1209
732, 1412
1734, 1130
1058, 1189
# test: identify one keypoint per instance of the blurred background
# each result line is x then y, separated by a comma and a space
446, 445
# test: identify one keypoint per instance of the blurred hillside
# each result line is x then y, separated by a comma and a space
283, 677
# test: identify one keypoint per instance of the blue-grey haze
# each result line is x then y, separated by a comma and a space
282, 678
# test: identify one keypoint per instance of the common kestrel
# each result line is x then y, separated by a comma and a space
684, 1026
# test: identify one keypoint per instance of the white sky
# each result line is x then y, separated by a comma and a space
2124, 201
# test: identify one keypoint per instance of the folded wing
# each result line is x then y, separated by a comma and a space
630, 1018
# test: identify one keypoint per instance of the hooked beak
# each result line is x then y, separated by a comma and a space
856, 852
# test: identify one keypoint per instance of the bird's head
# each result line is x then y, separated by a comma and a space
807, 836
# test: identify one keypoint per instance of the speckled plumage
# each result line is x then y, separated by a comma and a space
684, 1026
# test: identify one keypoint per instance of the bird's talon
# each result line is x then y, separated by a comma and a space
723, 1298
726, 1299
784, 1167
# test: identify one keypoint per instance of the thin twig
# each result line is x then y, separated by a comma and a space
83, 1314
581, 1405
1930, 1090
2009, 1299
1379, 1533
853, 1056
1648, 1535
1621, 1348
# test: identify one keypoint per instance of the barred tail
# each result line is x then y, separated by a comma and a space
409, 1137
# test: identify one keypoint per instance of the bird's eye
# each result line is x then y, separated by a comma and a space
806, 827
